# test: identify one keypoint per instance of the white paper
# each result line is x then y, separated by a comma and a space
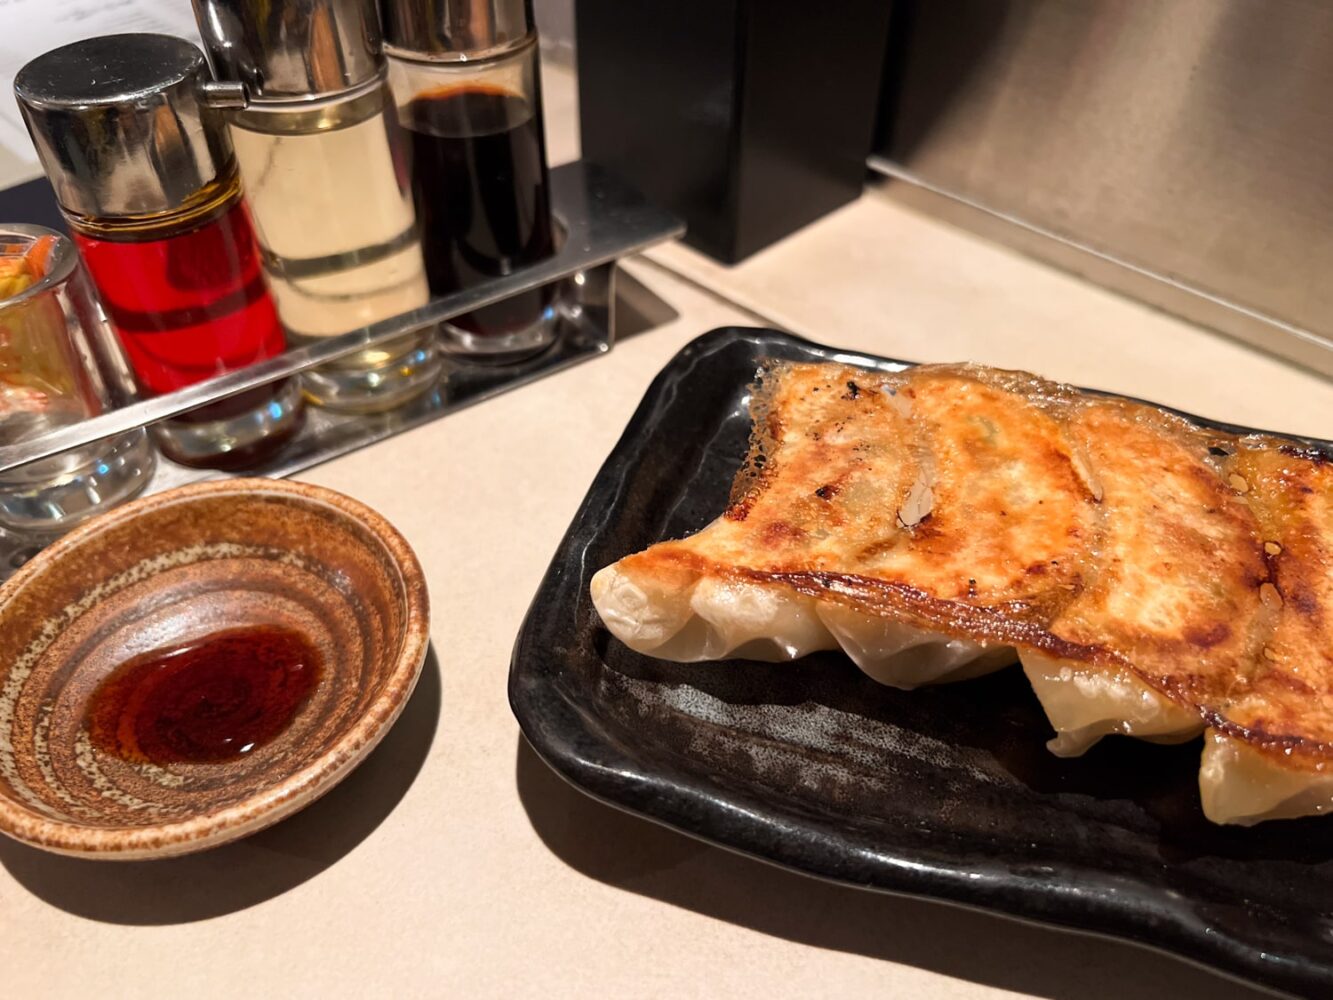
30, 27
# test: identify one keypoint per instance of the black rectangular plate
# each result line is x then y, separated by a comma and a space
946, 792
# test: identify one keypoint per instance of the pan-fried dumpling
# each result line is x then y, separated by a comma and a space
917, 521
1152, 577
1268, 758
1172, 613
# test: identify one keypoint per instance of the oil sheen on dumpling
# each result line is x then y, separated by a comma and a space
920, 521
1173, 612
1243, 784
1267, 758
1083, 703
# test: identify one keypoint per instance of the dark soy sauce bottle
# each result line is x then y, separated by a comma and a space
465, 82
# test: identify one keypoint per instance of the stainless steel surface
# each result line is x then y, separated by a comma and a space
1159, 290
294, 50
590, 327
120, 125
309, 117
603, 221
455, 30
225, 95
1178, 152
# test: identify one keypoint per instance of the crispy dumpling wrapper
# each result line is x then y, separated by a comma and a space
880, 514
1269, 755
1171, 612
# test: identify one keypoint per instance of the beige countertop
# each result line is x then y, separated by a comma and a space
453, 862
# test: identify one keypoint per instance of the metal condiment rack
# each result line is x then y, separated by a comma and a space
603, 221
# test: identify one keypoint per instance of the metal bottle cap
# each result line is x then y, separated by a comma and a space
456, 30
294, 50
120, 125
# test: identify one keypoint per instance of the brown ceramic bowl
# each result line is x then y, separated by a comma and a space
169, 569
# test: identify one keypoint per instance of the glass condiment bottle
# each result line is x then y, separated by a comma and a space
145, 176
465, 79
317, 141
51, 377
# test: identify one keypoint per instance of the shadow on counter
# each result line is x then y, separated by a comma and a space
637, 855
250, 871
638, 308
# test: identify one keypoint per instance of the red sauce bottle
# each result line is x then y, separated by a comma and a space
145, 175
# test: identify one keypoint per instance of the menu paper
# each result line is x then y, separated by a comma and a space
30, 27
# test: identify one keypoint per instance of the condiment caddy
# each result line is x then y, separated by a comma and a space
309, 215
601, 221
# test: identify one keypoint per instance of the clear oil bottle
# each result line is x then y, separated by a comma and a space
319, 149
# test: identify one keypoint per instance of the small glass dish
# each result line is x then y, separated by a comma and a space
50, 377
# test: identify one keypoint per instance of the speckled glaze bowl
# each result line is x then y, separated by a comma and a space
169, 569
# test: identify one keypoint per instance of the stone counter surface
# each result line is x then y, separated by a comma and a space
453, 862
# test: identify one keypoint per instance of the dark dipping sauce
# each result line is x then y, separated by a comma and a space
214, 699
479, 169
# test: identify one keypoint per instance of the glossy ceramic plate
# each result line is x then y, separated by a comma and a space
946, 792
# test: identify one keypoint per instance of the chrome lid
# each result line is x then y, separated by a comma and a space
294, 50
120, 125
456, 30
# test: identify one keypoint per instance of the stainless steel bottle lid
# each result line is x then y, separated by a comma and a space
294, 50
120, 126
456, 30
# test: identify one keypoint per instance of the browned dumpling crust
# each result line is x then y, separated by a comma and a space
946, 497
1179, 562
1267, 754
1286, 701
